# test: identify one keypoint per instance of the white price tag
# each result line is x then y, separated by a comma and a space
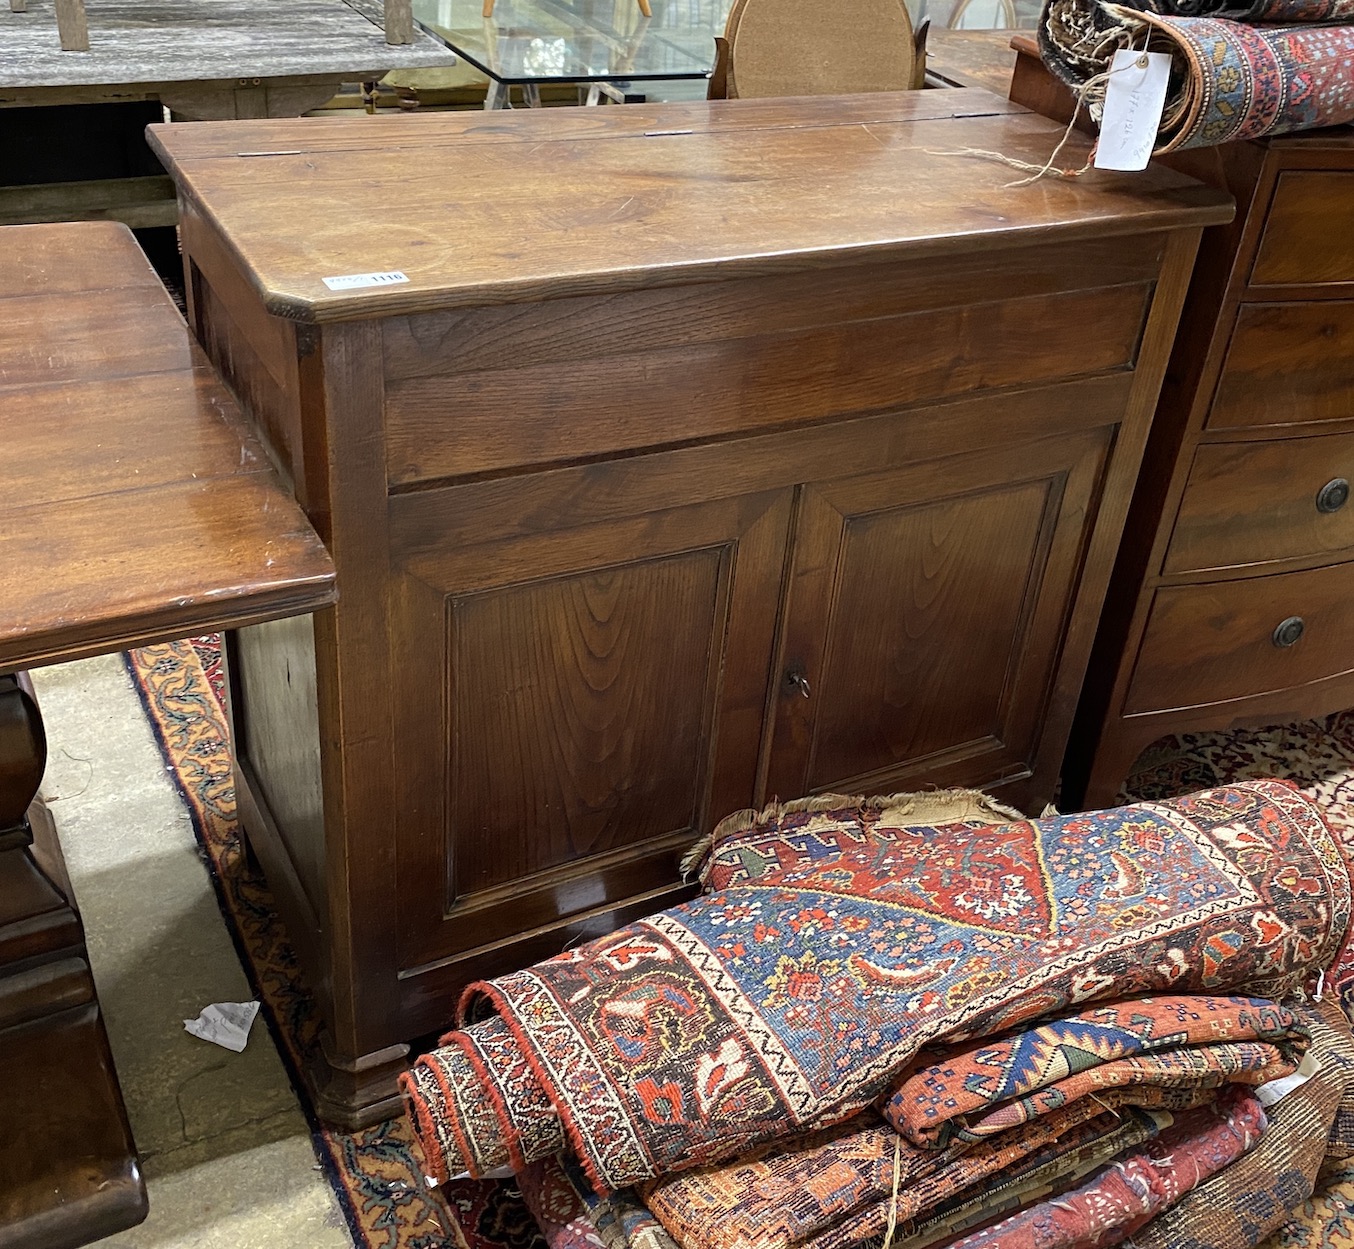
351, 281
1135, 98
1275, 1090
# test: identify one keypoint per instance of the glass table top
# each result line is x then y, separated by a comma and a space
580, 41
542, 41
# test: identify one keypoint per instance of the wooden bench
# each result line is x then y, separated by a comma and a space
135, 507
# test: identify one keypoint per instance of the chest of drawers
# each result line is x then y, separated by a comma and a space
1233, 597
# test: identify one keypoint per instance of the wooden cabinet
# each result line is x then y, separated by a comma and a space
765, 478
1232, 600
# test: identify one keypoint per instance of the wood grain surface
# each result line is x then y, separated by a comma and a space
1213, 643
134, 503
1251, 503
1307, 237
177, 41
971, 58
1287, 365
787, 189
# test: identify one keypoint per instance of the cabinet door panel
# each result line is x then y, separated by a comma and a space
575, 710
572, 732
925, 608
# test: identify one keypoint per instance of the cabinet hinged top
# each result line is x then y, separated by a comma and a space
406, 214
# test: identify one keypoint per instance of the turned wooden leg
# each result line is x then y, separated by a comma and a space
488, 8
68, 1169
645, 9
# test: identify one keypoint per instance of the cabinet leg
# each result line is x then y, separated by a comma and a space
356, 1092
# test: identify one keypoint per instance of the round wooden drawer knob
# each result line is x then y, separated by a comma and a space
1333, 495
1287, 632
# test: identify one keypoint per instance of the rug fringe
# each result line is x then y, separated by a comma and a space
924, 807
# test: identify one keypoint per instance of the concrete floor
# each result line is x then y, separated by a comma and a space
225, 1147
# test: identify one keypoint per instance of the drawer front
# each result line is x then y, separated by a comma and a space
1307, 237
1229, 640
1287, 364
1255, 502
486, 390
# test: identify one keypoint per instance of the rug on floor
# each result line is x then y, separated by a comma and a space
375, 1173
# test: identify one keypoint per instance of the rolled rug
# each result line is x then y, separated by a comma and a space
795, 999
1231, 79
515, 1124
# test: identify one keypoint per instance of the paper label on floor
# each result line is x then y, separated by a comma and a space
1135, 98
351, 281
224, 1023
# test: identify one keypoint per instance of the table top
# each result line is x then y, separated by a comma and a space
133, 42
541, 203
135, 506
971, 58
545, 41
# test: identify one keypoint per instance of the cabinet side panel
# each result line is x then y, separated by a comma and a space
254, 351
278, 739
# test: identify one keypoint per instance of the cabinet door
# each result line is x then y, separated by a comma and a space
927, 610
575, 708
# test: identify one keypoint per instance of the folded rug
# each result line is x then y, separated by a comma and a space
837, 1187
1046, 1173
1126, 1195
793, 999
1230, 79
1170, 1041
1309, 1127
572, 1216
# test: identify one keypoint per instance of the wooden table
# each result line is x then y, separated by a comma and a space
135, 506
199, 59
763, 449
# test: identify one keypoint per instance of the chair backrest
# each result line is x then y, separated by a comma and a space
819, 47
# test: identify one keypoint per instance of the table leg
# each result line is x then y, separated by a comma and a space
497, 97
69, 1173
531, 95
